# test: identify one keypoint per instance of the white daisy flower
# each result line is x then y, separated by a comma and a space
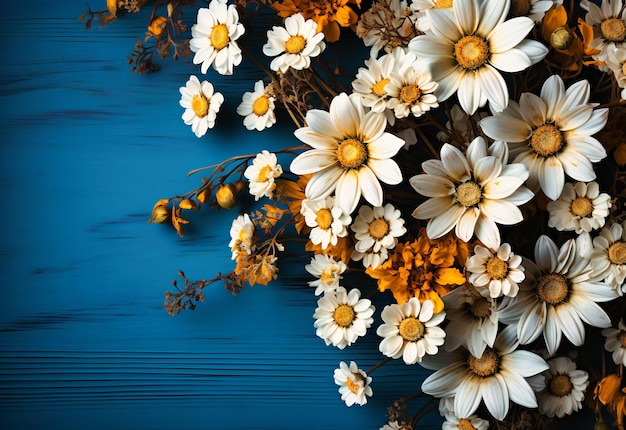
560, 292
376, 229
257, 108
608, 257
242, 236
385, 25
551, 134
421, 18
534, 9
201, 105
472, 422
616, 62
342, 317
495, 377
354, 384
294, 44
580, 207
471, 193
495, 274
466, 49
351, 153
213, 37
473, 321
411, 330
371, 81
616, 343
446, 404
327, 220
609, 26
411, 92
565, 388
261, 174
327, 271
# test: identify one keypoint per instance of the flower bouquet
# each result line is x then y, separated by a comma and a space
469, 178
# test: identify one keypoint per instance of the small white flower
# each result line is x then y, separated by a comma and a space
411, 330
495, 274
327, 220
328, 273
534, 9
257, 108
411, 92
616, 62
580, 207
261, 174
609, 27
242, 236
342, 317
376, 230
371, 82
213, 37
609, 255
201, 105
472, 422
295, 44
565, 388
354, 384
616, 343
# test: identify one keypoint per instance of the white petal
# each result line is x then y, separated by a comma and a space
444, 382
524, 363
505, 128
465, 225
570, 324
495, 395
589, 311
386, 170
455, 163
344, 116
433, 207
467, 15
551, 177
494, 88
509, 34
323, 183
445, 222
501, 211
370, 187
432, 186
468, 395
513, 60
519, 390
469, 92
320, 122
348, 192
492, 13
312, 161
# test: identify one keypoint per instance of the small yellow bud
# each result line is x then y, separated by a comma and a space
160, 213
561, 38
157, 25
226, 196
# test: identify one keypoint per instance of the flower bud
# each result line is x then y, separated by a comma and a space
226, 196
561, 38
160, 213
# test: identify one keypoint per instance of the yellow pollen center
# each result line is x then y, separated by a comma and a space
295, 44
485, 365
622, 338
379, 228
553, 289
481, 308
324, 218
410, 94
561, 385
547, 140
582, 207
379, 87
497, 269
261, 105
561, 38
443, 4
344, 315
351, 153
624, 67
200, 105
519, 8
265, 173
411, 329
471, 52
219, 36
327, 275
465, 424
617, 253
613, 30
352, 386
468, 194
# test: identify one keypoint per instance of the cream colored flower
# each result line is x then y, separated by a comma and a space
616, 62
327, 271
351, 153
615, 343
565, 388
411, 92
472, 422
242, 236
213, 37
327, 220
608, 257
386, 25
534, 9
261, 174
580, 207
201, 105
495, 274
371, 81
354, 384
257, 108
609, 27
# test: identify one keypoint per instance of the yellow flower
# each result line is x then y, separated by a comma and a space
294, 193
156, 27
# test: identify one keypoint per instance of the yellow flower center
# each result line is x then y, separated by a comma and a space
468, 194
481, 308
265, 173
411, 329
582, 207
327, 275
379, 87
561, 38
519, 8
443, 4
624, 67
613, 30
617, 253
379, 228
344, 315
485, 365
622, 338
219, 36
410, 94
324, 218
553, 289
351, 153
471, 52
547, 140
465, 424
352, 386
200, 105
261, 105
561, 385
497, 268
295, 44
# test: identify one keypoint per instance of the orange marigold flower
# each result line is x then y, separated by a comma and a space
156, 27
293, 191
422, 268
328, 14
610, 393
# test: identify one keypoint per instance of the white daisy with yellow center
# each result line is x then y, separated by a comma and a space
327, 271
213, 37
616, 62
201, 105
294, 44
466, 49
351, 153
242, 238
257, 108
580, 207
326, 219
615, 342
342, 317
473, 422
495, 273
565, 388
371, 81
609, 27
354, 384
411, 330
608, 257
261, 174
411, 91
